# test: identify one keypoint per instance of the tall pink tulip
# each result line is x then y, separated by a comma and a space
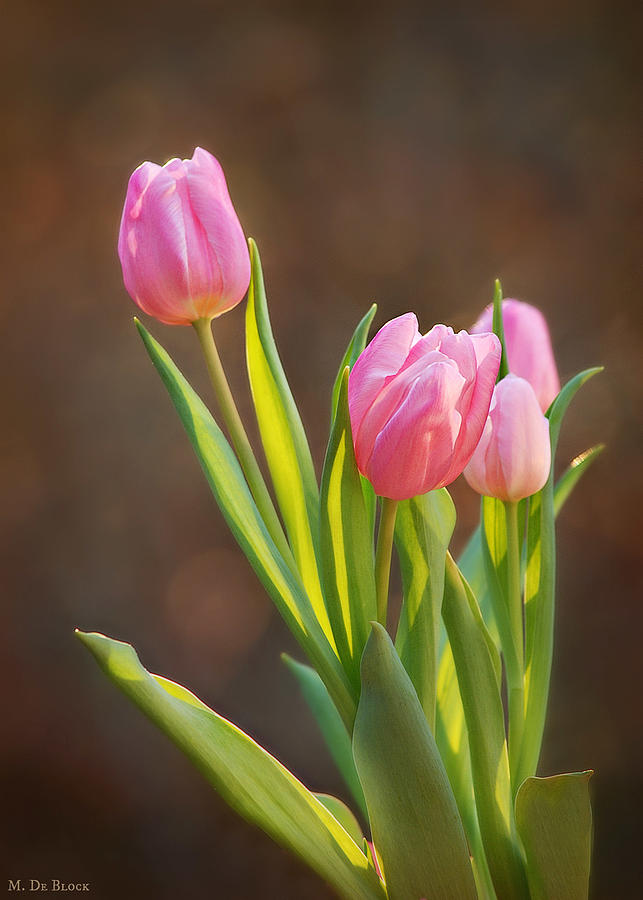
528, 344
513, 457
418, 405
182, 249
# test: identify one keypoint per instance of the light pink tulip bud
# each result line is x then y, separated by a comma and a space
513, 457
418, 405
528, 345
182, 249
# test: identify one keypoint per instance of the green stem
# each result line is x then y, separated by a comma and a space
383, 556
232, 419
515, 660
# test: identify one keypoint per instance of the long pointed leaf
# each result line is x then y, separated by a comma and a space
540, 582
284, 440
554, 819
477, 667
346, 546
423, 531
414, 817
248, 778
355, 347
231, 493
331, 726
572, 475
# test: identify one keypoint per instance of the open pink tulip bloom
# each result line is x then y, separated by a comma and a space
418, 405
182, 249
528, 345
513, 457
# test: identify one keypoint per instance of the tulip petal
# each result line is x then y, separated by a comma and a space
212, 207
383, 357
412, 453
528, 344
521, 438
487, 352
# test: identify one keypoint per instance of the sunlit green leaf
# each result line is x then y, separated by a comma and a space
423, 530
413, 814
246, 776
572, 475
346, 547
231, 493
478, 671
554, 819
540, 578
284, 440
343, 815
330, 724
355, 347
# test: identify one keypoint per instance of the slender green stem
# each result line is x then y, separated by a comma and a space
515, 670
232, 419
383, 556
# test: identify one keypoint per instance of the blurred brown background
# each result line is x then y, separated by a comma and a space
405, 153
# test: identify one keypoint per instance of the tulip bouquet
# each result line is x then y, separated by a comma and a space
434, 712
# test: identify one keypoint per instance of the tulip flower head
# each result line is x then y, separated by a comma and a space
513, 457
418, 405
181, 246
528, 346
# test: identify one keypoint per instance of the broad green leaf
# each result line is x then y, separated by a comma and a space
572, 475
540, 579
284, 440
343, 815
498, 328
231, 493
331, 726
423, 530
478, 670
413, 814
355, 347
246, 776
554, 820
346, 547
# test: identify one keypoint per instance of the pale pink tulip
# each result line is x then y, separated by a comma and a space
182, 249
513, 457
418, 405
528, 345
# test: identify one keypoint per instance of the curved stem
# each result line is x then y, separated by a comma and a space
515, 671
232, 419
383, 556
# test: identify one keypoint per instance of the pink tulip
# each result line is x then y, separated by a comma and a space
418, 405
182, 249
528, 344
513, 457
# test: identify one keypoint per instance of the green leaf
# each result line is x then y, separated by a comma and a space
540, 582
330, 723
478, 670
231, 493
413, 814
554, 819
572, 475
498, 328
343, 815
248, 778
346, 546
284, 440
451, 733
423, 531
355, 347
